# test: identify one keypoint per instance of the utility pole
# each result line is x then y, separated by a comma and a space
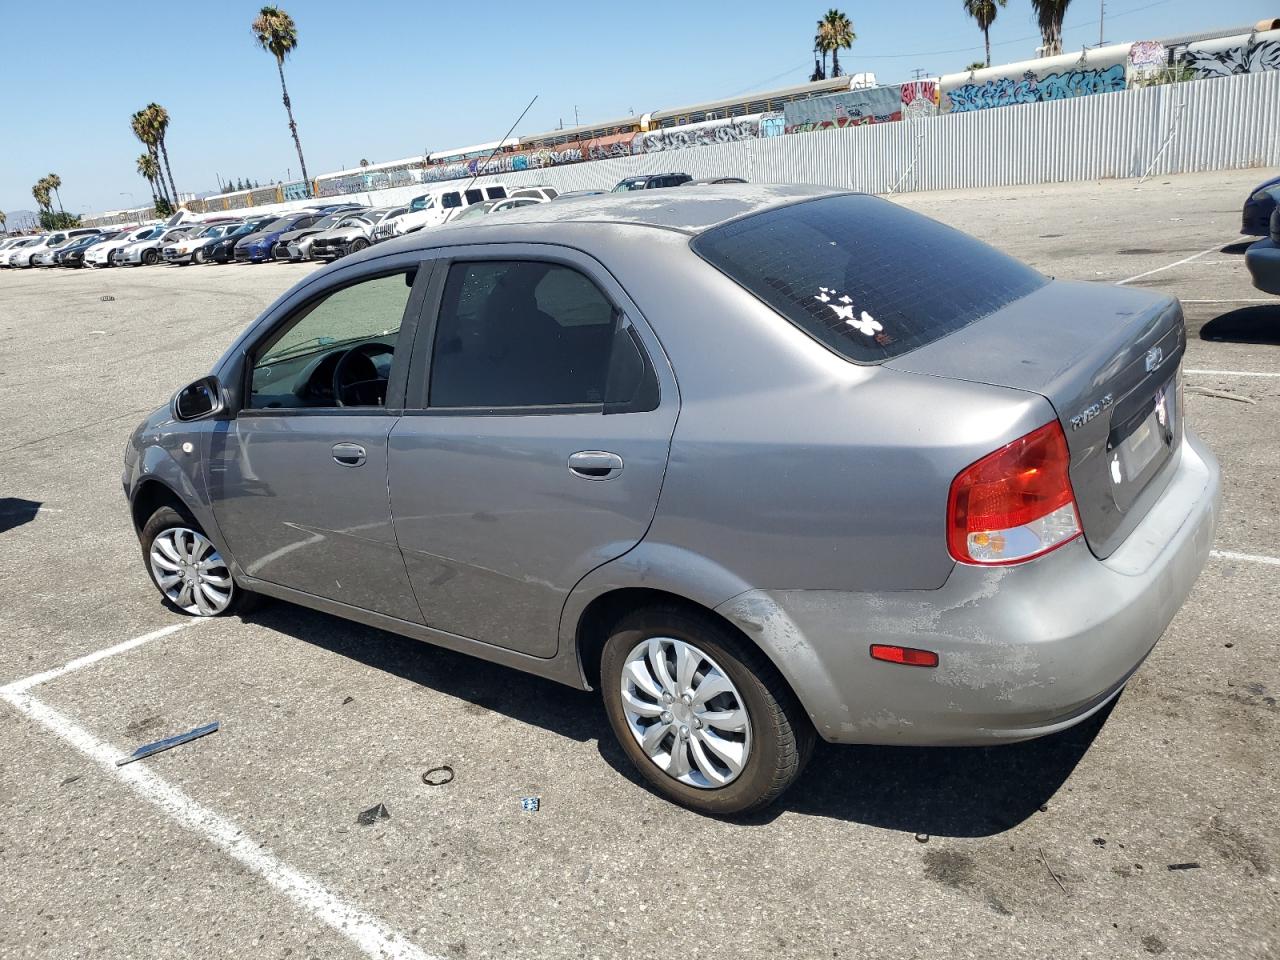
576, 121
1102, 16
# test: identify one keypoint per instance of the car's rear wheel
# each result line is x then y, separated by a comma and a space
187, 568
358, 244
702, 714
149, 257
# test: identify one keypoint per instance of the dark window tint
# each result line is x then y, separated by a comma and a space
867, 278
475, 196
521, 334
496, 193
450, 200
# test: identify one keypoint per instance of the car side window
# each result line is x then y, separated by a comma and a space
336, 351
523, 333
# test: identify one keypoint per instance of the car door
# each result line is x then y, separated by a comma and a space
534, 442
298, 478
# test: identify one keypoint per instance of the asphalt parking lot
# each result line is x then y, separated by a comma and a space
246, 843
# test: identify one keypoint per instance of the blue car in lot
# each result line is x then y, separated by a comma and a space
1263, 258
257, 247
1255, 218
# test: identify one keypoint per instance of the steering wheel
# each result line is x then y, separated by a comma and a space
356, 382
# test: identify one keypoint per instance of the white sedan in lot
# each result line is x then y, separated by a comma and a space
28, 256
104, 254
147, 251
190, 249
9, 251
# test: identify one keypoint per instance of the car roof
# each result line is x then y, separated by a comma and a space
690, 212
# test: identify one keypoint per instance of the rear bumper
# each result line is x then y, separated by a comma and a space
1263, 261
1023, 651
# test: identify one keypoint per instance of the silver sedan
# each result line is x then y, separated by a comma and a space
761, 464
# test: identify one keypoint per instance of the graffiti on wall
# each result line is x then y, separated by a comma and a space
851, 109
1205, 64
697, 135
1148, 61
1006, 91
919, 99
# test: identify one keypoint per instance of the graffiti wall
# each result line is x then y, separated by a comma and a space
851, 109
1101, 70
1228, 56
919, 99
697, 135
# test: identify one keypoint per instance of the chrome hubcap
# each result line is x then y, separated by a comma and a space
685, 713
191, 572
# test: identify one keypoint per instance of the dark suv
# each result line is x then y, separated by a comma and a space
651, 181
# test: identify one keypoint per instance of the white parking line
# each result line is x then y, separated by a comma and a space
1233, 299
1170, 266
365, 931
1248, 557
1231, 373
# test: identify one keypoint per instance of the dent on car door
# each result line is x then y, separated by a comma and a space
538, 449
299, 478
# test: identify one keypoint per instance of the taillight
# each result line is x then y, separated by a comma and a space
1014, 504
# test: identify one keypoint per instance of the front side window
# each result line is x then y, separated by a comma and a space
514, 333
449, 201
335, 352
474, 196
496, 193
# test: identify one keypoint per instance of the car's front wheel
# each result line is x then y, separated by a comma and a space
149, 257
703, 715
187, 568
198, 257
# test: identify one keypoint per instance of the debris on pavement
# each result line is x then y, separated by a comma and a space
922, 838
1220, 394
1045, 860
372, 815
530, 804
159, 746
1184, 866
348, 700
108, 298
71, 779
438, 776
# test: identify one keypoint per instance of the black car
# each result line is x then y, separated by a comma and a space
72, 255
1263, 258
651, 181
223, 250
713, 180
1255, 219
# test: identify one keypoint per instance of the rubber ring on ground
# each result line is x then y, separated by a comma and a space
431, 780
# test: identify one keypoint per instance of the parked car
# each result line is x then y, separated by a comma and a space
436, 207
495, 206
575, 194
146, 252
223, 249
72, 254
651, 181
27, 256
711, 181
104, 254
1263, 258
256, 247
296, 244
536, 191
10, 252
351, 234
742, 460
1255, 218
190, 249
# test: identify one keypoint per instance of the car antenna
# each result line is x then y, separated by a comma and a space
499, 146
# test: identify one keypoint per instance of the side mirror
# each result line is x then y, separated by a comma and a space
198, 400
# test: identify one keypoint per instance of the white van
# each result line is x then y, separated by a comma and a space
436, 207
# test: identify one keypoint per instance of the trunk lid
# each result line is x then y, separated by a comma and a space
1107, 359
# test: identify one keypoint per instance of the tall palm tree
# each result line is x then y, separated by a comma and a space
838, 30
1049, 15
54, 182
3, 221
144, 129
984, 11
158, 118
277, 34
41, 194
821, 46
149, 171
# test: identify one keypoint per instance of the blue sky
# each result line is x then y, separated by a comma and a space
385, 80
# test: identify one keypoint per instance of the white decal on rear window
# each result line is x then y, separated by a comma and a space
844, 310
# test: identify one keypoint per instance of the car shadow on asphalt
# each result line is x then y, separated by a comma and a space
940, 791
14, 512
1259, 324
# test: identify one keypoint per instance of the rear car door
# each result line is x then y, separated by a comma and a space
299, 478
537, 428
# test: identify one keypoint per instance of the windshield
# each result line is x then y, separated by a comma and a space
863, 276
327, 222
422, 203
354, 222
284, 223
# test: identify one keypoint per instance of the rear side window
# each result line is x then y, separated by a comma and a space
496, 193
865, 277
475, 196
450, 200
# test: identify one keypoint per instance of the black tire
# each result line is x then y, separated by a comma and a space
167, 518
782, 737
149, 257
197, 257
358, 244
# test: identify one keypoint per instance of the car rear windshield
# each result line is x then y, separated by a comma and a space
863, 276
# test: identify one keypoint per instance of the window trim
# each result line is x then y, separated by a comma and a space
418, 378
401, 358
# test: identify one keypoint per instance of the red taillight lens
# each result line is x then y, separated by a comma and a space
1016, 503
908, 656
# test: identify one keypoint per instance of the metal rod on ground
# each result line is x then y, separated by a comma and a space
499, 146
1173, 130
911, 166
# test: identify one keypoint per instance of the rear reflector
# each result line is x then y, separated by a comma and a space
909, 656
1014, 504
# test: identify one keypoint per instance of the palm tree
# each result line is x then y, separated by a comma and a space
41, 194
3, 221
822, 47
158, 118
984, 11
144, 130
149, 170
1049, 15
277, 34
54, 182
838, 31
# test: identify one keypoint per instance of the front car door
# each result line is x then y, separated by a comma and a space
299, 478
538, 422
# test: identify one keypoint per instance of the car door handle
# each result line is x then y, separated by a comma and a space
595, 464
348, 454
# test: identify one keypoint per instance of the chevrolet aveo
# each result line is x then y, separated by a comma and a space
762, 464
